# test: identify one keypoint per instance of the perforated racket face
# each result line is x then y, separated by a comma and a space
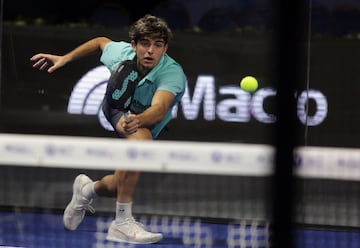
122, 84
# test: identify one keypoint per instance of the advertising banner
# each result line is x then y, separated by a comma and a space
214, 107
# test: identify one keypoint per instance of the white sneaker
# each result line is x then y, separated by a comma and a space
132, 232
75, 210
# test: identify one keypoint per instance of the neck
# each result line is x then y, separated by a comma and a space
142, 70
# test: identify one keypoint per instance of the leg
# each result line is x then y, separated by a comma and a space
122, 184
125, 228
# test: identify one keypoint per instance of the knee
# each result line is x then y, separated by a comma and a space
141, 134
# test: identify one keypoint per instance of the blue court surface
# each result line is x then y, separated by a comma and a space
40, 230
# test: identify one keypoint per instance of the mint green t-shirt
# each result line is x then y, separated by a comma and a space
166, 75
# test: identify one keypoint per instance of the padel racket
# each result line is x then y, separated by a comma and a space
122, 84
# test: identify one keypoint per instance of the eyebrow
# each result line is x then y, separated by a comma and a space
160, 40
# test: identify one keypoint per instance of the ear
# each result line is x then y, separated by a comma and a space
133, 44
166, 48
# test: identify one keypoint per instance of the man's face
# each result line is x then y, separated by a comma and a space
149, 51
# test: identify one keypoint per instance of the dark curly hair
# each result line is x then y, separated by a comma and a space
151, 26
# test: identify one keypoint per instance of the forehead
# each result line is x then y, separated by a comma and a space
152, 39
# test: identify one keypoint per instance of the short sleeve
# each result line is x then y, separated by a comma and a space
116, 52
172, 80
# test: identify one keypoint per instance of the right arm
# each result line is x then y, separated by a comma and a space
52, 62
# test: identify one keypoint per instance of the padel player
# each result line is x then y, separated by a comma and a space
145, 81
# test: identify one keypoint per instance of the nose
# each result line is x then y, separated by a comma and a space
151, 49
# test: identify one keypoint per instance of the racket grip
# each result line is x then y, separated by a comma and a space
126, 115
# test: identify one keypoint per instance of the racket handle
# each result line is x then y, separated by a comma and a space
126, 115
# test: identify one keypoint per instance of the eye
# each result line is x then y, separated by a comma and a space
159, 44
144, 42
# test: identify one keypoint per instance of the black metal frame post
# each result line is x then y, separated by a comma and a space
290, 26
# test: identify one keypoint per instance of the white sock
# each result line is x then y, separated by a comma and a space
123, 211
88, 191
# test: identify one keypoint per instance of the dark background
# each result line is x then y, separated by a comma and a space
227, 40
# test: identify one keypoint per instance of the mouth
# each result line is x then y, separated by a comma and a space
148, 59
